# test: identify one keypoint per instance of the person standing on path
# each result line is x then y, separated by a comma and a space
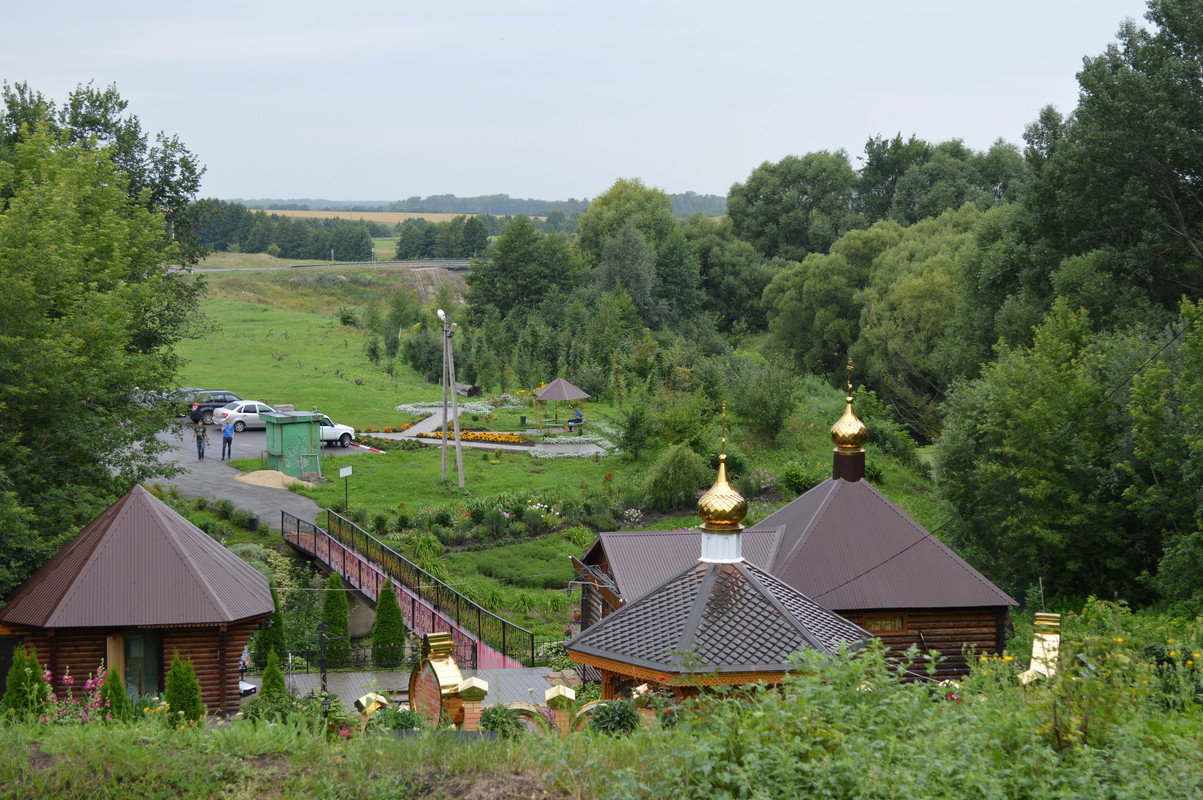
200, 435
227, 440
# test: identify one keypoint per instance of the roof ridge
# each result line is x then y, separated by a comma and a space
829, 493
926, 534
751, 573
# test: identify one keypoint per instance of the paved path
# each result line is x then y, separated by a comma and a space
214, 478
435, 421
505, 685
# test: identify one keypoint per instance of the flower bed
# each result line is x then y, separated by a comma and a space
389, 444
481, 436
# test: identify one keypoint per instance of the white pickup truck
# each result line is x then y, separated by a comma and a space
335, 434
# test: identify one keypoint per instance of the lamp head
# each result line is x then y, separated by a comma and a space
441, 314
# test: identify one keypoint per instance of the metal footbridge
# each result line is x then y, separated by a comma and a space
428, 604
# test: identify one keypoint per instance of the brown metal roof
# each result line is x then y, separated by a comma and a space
848, 547
560, 389
730, 617
642, 560
842, 543
139, 563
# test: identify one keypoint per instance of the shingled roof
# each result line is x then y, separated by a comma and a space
730, 617
560, 389
843, 543
139, 564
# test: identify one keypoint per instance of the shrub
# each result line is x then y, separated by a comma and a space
396, 719
798, 477
336, 615
348, 318
388, 631
223, 507
183, 693
273, 678
25, 689
603, 520
614, 718
673, 481
502, 719
579, 535
112, 692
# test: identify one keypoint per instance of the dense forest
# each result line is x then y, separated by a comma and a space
1032, 312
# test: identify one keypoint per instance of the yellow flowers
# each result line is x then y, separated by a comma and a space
1007, 659
1119, 640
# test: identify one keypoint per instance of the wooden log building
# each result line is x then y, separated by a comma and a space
136, 585
844, 545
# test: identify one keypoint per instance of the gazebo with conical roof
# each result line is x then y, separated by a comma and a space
559, 391
137, 584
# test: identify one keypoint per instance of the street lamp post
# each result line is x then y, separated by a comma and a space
449, 328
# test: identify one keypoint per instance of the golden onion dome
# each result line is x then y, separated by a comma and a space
722, 508
848, 433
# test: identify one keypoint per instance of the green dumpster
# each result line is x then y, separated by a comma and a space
294, 444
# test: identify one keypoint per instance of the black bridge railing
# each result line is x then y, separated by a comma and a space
428, 604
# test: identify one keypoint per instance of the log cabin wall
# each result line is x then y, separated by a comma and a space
949, 631
215, 653
82, 650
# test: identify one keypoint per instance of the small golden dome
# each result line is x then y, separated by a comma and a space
722, 508
848, 433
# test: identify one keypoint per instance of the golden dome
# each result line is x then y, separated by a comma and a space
722, 508
848, 433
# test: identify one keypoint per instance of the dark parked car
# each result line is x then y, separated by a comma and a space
205, 402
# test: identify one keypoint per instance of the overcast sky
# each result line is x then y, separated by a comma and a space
378, 100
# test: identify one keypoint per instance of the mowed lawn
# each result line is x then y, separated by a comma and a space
303, 359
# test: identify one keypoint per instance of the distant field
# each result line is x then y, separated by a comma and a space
383, 217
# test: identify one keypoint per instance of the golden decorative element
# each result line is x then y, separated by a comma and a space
722, 508
848, 433
437, 645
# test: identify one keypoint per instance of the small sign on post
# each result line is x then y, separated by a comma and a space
345, 473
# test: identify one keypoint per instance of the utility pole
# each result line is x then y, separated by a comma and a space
449, 328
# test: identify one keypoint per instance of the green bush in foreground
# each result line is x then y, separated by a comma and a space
502, 719
183, 693
615, 717
26, 691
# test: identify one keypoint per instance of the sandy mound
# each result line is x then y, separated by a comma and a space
273, 478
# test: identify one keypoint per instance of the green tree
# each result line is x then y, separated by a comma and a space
733, 274
796, 206
886, 161
475, 238
162, 177
765, 397
25, 690
628, 263
336, 614
91, 312
913, 290
525, 266
677, 285
1121, 173
115, 698
1027, 463
814, 307
183, 692
272, 637
388, 631
273, 679
628, 200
